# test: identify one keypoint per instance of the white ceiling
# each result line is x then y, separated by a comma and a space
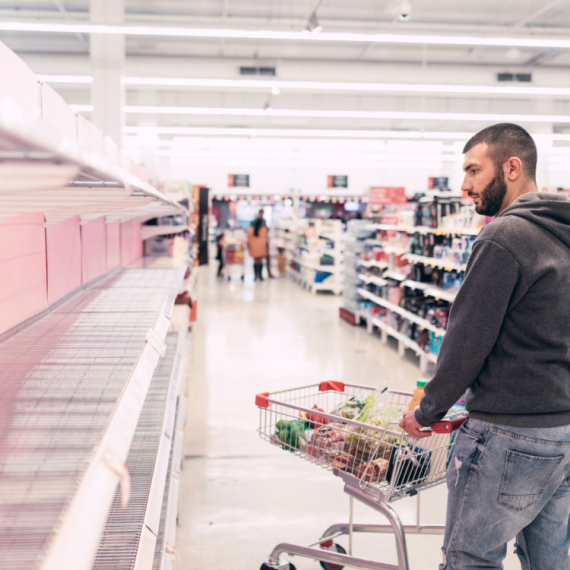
176, 57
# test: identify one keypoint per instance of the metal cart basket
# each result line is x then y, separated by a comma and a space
377, 461
235, 258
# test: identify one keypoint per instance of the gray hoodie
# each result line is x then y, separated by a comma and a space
508, 338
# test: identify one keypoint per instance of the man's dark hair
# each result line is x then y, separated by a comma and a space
506, 140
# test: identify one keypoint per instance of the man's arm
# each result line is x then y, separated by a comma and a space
475, 320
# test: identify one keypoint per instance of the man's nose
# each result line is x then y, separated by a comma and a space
466, 186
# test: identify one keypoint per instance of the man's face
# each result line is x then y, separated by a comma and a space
484, 182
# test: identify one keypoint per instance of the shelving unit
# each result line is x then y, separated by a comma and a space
90, 381
75, 403
304, 254
396, 309
370, 272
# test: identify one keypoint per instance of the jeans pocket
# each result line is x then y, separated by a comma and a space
524, 478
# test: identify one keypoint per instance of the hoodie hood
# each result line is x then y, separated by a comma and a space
549, 211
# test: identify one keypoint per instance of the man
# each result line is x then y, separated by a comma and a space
508, 345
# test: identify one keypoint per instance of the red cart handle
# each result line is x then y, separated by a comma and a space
447, 426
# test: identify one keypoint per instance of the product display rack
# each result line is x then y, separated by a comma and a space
369, 276
77, 398
85, 351
306, 244
55, 161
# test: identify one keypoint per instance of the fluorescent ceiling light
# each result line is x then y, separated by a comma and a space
346, 86
276, 86
417, 39
338, 158
460, 137
337, 114
375, 165
296, 133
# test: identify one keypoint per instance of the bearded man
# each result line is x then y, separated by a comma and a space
508, 345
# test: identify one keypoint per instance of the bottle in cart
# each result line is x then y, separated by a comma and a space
418, 395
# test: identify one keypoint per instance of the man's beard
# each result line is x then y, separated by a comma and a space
491, 199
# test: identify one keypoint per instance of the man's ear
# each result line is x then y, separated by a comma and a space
513, 168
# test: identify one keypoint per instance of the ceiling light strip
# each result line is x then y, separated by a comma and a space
318, 85
337, 114
344, 86
224, 33
312, 133
293, 133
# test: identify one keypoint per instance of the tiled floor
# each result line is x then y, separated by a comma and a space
240, 497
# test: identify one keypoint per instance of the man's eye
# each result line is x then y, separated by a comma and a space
473, 171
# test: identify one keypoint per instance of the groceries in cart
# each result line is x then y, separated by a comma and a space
359, 436
353, 431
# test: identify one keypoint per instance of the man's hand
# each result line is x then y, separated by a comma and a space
409, 424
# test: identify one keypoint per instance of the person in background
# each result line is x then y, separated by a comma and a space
257, 244
281, 261
508, 345
220, 254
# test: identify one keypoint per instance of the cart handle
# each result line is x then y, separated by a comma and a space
447, 426
331, 385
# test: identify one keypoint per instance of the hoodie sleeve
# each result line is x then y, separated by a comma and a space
475, 320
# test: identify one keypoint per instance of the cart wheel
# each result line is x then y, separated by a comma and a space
266, 567
328, 565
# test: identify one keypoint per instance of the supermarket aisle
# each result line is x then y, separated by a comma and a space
239, 496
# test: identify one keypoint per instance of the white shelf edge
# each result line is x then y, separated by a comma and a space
395, 309
434, 262
169, 546
379, 281
395, 275
148, 232
372, 263
35, 135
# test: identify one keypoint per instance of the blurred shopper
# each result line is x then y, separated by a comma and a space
508, 344
257, 244
220, 241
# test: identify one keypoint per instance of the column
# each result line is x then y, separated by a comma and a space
541, 132
107, 54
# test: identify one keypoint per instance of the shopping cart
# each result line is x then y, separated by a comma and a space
377, 461
235, 258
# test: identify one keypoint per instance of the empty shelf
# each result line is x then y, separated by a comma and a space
73, 383
124, 530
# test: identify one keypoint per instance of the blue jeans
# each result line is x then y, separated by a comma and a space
503, 483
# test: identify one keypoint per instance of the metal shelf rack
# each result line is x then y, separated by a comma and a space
74, 385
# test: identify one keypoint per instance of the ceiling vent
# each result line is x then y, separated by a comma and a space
263, 71
514, 77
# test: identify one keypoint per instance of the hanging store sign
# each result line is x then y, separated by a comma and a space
440, 183
337, 181
238, 180
385, 195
